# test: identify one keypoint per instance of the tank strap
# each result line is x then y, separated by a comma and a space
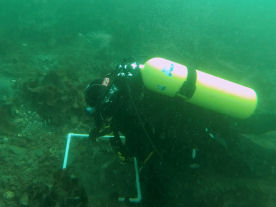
188, 88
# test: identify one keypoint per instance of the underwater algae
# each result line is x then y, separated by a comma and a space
57, 96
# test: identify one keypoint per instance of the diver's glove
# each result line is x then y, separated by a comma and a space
96, 132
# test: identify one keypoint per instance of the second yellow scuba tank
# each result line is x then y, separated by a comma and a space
200, 88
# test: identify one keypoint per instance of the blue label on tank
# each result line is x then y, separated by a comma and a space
162, 88
168, 71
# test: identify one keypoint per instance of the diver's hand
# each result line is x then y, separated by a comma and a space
93, 134
96, 132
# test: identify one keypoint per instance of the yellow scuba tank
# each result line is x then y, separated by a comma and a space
196, 87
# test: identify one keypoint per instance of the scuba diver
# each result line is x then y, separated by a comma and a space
180, 124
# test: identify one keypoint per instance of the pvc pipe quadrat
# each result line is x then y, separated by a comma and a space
136, 199
68, 141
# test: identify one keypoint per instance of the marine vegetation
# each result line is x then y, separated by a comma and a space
56, 95
6, 118
64, 191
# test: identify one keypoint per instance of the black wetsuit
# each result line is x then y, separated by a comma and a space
186, 141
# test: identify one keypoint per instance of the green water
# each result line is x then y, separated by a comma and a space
234, 39
216, 35
239, 31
